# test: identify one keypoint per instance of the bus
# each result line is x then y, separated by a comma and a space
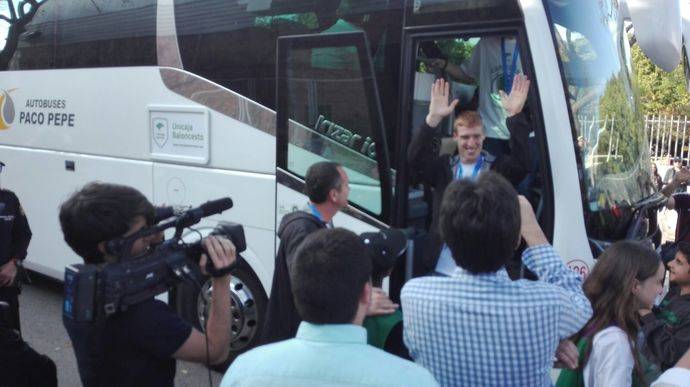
190, 100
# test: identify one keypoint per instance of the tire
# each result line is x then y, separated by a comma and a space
247, 321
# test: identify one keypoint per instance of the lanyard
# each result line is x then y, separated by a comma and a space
508, 74
475, 171
315, 212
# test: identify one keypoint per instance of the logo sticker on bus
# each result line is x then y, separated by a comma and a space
6, 109
160, 131
580, 267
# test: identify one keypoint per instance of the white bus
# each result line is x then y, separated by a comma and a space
191, 100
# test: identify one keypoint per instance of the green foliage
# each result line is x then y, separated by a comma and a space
620, 117
458, 50
660, 92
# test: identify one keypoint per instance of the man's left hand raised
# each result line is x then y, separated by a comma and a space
515, 101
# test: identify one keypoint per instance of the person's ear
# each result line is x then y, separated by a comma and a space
635, 289
333, 195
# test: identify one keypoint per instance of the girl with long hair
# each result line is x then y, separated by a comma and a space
656, 177
627, 277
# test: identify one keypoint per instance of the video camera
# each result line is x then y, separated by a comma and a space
93, 291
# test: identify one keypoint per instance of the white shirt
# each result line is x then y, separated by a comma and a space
611, 361
486, 67
674, 377
468, 169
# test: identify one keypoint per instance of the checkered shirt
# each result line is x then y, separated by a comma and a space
486, 330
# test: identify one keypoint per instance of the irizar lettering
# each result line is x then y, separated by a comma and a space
365, 146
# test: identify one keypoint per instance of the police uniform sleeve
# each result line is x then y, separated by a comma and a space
156, 329
21, 232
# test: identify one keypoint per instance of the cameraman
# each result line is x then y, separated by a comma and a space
138, 347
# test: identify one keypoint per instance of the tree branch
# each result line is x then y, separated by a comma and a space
33, 6
10, 6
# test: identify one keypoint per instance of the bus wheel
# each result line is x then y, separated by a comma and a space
248, 307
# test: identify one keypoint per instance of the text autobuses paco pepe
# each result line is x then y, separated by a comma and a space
54, 118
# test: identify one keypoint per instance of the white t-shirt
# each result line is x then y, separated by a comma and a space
611, 361
468, 170
673, 377
486, 67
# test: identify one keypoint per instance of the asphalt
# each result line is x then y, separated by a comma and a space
41, 319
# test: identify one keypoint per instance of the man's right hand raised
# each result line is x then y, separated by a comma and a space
529, 228
439, 107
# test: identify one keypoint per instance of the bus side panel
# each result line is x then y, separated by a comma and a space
105, 112
253, 205
42, 181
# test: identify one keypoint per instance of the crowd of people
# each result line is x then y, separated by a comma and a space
468, 321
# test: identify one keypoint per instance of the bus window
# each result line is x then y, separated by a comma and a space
35, 49
88, 33
330, 102
434, 12
609, 129
247, 65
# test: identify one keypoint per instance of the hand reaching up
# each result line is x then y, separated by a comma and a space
515, 101
439, 107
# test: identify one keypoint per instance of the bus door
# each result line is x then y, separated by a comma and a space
477, 48
328, 110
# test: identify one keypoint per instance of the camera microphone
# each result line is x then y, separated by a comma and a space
215, 206
212, 207
163, 213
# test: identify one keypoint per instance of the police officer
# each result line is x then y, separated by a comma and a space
15, 235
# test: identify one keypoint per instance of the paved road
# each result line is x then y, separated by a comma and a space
41, 319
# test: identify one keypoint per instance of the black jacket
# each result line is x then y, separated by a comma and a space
436, 171
21, 365
15, 233
667, 329
282, 319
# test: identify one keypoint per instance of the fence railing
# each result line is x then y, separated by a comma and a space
668, 136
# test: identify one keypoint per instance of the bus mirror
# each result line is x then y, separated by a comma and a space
661, 45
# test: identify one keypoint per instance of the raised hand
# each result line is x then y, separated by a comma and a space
439, 107
381, 304
515, 101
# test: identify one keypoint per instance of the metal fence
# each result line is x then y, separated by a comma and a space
669, 136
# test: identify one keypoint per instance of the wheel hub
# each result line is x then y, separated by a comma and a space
244, 314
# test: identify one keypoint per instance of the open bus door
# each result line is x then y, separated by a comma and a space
328, 110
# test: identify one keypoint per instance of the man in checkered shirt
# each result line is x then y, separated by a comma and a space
477, 327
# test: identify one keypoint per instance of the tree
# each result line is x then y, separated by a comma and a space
660, 92
17, 18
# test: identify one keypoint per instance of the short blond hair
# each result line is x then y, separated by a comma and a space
468, 119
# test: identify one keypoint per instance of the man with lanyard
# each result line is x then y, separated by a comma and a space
494, 75
15, 235
327, 186
469, 161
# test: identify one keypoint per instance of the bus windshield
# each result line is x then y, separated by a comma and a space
595, 58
